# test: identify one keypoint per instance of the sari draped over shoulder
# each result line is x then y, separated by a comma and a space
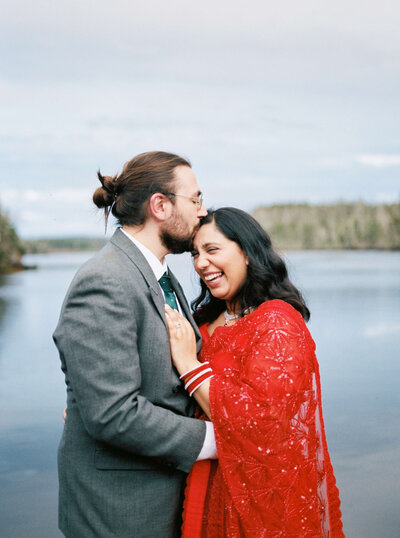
273, 476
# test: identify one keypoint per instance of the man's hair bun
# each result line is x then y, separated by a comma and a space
104, 196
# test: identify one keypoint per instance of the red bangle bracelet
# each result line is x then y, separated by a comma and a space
199, 375
194, 371
194, 385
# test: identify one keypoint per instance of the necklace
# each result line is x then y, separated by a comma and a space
229, 317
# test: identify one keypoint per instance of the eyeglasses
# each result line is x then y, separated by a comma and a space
197, 199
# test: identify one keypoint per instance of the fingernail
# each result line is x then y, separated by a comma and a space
167, 307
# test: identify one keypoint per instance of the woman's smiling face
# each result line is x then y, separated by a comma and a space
219, 262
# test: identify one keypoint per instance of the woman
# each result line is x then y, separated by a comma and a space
257, 379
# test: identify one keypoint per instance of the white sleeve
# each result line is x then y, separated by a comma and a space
209, 448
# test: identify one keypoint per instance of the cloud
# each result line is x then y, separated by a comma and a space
382, 329
269, 105
42, 213
378, 160
35, 195
122, 21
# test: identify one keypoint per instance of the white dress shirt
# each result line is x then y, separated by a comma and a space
209, 448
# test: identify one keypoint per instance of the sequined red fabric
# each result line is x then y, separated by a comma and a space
273, 476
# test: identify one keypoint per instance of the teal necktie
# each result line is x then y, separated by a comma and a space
165, 283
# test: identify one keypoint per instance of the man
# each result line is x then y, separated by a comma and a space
128, 440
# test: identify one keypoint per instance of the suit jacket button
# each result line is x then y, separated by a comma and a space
176, 389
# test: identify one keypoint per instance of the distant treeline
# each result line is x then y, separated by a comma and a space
11, 248
291, 226
65, 244
337, 226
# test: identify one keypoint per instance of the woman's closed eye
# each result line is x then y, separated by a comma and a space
195, 253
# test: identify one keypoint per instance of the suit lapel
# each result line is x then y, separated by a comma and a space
183, 302
120, 240
124, 243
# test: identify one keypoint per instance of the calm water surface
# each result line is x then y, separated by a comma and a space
354, 299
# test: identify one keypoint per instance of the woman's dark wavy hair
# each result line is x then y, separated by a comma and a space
267, 276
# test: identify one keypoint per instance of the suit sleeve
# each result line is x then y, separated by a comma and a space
97, 337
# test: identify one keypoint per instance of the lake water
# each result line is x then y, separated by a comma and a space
354, 299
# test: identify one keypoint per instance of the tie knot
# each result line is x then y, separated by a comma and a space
165, 283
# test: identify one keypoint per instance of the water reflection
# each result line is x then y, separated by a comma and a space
3, 306
28, 481
354, 299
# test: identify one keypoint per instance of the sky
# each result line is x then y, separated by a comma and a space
271, 102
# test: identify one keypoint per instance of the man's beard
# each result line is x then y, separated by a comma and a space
175, 238
176, 244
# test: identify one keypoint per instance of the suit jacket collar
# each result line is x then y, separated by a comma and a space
120, 240
123, 242
158, 267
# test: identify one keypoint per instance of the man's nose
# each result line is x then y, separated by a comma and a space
202, 212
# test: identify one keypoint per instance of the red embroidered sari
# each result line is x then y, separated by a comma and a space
273, 476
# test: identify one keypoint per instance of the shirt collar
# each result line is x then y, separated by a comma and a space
157, 267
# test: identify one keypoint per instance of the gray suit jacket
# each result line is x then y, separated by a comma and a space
128, 440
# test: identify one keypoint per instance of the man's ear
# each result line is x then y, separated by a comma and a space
159, 206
